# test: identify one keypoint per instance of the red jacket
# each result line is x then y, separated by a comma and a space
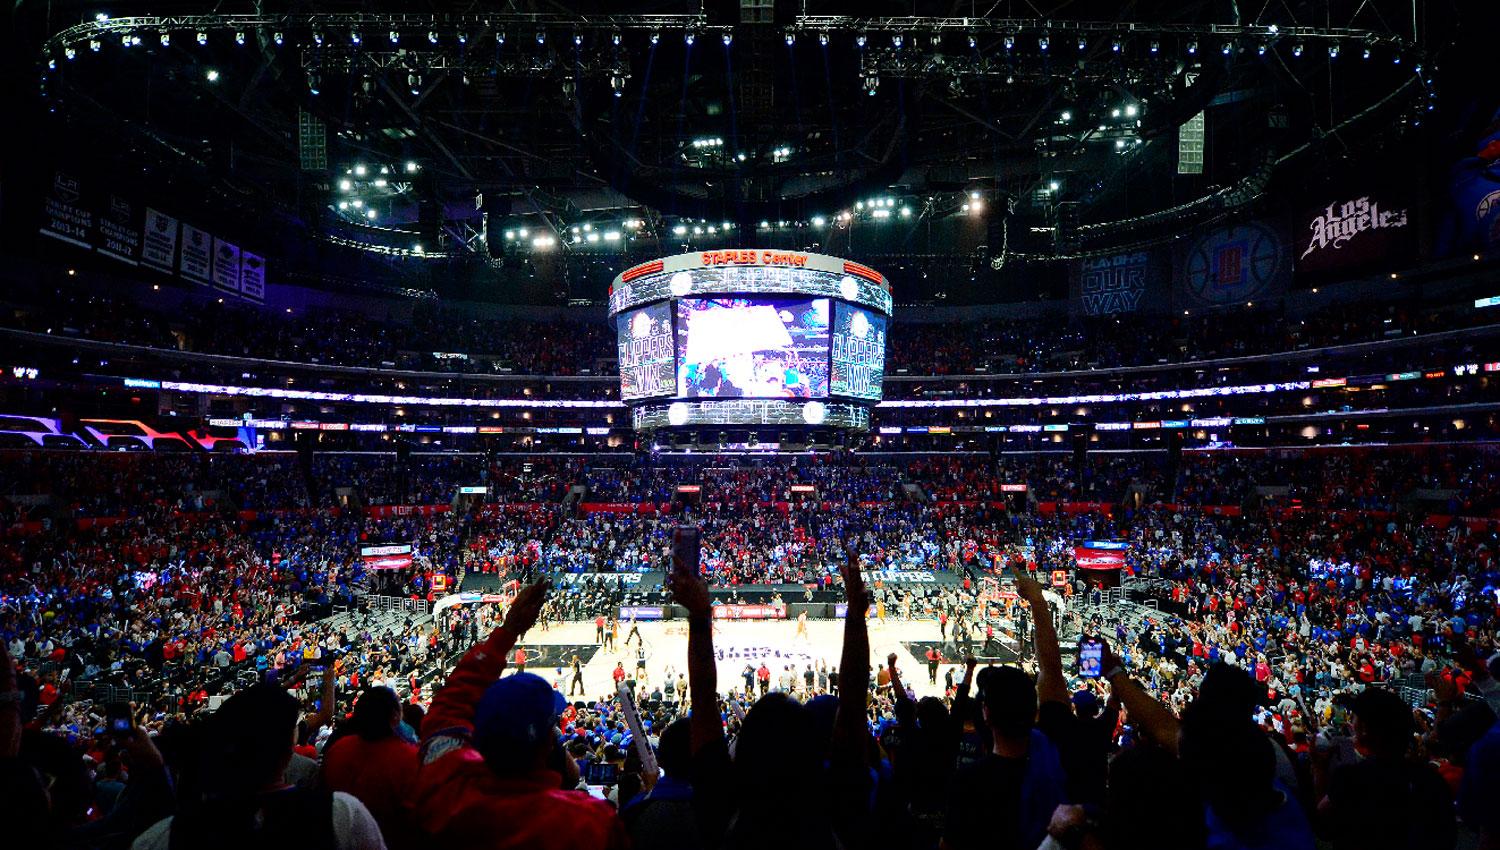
464, 804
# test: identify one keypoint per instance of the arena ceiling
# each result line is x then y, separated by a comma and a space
459, 126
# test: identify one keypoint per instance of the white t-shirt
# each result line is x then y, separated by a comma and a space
354, 828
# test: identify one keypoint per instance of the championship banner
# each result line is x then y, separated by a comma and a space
1232, 265
1099, 555
749, 612
196, 263
395, 556
253, 277
1118, 284
226, 273
119, 231
1353, 233
65, 217
159, 241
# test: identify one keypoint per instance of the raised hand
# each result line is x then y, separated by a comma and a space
526, 607
1027, 587
688, 587
855, 592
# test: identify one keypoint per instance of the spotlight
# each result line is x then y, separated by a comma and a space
314, 84
1227, 49
688, 38
1260, 49
499, 38
1333, 50
278, 38
1066, 116
213, 75
1155, 46
463, 37
1010, 42
1297, 49
1365, 54
1114, 46
1192, 47
1044, 42
1083, 43
728, 39
872, 82
541, 37
655, 38
394, 36
973, 42
1396, 60
370, 214
317, 38
859, 40
94, 45
239, 38
69, 53
577, 39
615, 38
896, 41
354, 37
791, 39
166, 39
1054, 185
1131, 110
203, 38
432, 37
823, 39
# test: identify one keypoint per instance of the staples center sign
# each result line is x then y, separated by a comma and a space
754, 258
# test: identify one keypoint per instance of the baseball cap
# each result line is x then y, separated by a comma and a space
515, 714
1085, 700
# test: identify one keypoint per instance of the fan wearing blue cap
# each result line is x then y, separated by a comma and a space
492, 773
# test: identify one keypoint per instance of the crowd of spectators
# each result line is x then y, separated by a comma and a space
1259, 704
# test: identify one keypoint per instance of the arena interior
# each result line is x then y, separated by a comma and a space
737, 423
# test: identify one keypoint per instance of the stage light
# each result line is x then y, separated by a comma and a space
1119, 144
577, 39
1155, 46
973, 42
1083, 43
370, 214
1114, 113
94, 45
818, 221
688, 38
314, 84
1131, 110
354, 37
679, 230
1260, 49
541, 37
1192, 47
346, 185
1054, 185
612, 236
1273, 29
165, 39
499, 38
125, 40
357, 203
591, 238
614, 38
896, 40
543, 242
906, 212
728, 39
213, 75
317, 38
1365, 54
239, 38
343, 205
523, 232
1010, 42
1297, 49
859, 40
1066, 116
1333, 50
101, 18
278, 37
1396, 60
655, 38
1044, 42
1227, 49
360, 170
203, 38
823, 39
69, 53
432, 37
791, 39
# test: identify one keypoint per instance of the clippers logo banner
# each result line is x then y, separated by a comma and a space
1345, 235
1232, 265
393, 557
646, 349
1090, 558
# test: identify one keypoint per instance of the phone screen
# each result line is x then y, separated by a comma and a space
602, 773
1090, 658
118, 715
